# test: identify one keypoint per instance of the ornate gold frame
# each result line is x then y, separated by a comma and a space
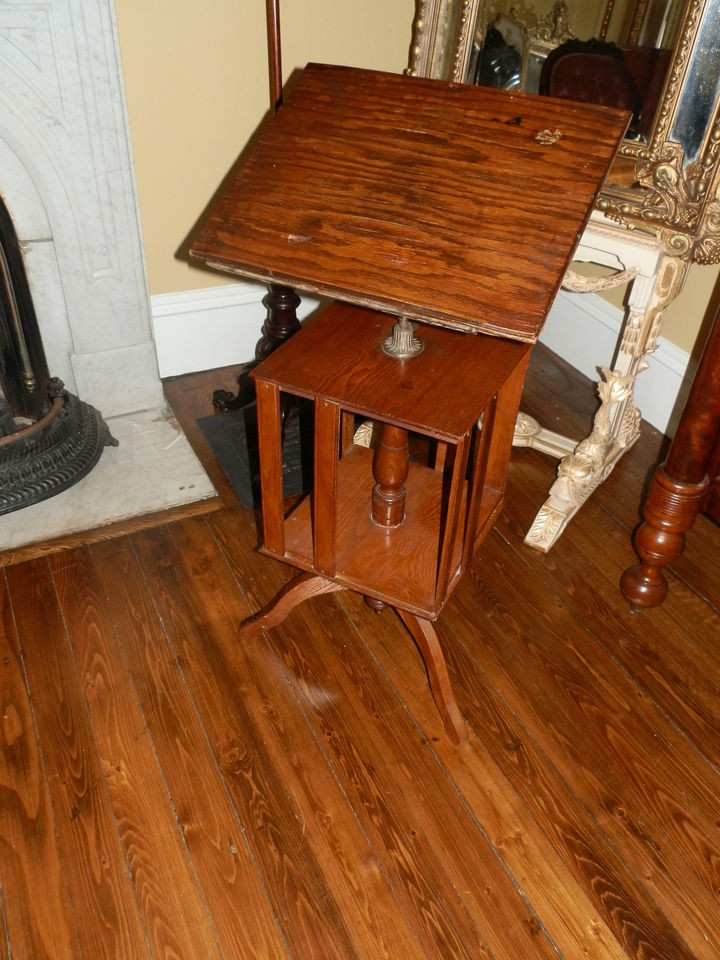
430, 55
676, 198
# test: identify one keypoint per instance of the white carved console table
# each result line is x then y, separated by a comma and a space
667, 183
654, 279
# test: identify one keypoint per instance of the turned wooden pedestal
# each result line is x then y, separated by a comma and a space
399, 532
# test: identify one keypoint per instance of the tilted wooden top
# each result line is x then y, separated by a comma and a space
456, 204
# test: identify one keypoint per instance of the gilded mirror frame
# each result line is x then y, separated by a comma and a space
669, 195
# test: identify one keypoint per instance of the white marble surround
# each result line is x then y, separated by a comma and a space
66, 178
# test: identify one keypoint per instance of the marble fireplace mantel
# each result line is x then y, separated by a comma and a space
67, 180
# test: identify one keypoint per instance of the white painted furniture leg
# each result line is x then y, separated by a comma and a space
655, 280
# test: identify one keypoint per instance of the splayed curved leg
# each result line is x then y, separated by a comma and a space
426, 638
297, 590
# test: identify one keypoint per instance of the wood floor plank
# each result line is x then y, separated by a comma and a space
619, 897
329, 892
316, 807
364, 727
211, 829
562, 904
153, 831
698, 564
35, 928
4, 944
679, 669
620, 756
102, 902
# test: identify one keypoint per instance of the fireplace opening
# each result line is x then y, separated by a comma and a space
49, 439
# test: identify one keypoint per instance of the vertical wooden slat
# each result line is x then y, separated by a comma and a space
347, 432
327, 427
508, 403
271, 485
452, 527
478, 493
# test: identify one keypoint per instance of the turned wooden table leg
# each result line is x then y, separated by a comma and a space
670, 511
281, 321
680, 484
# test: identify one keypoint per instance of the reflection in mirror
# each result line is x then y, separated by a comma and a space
551, 31
642, 23
512, 40
667, 174
498, 55
445, 29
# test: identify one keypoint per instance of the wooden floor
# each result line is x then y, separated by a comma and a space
166, 792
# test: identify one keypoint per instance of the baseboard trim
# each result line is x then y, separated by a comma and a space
211, 327
216, 326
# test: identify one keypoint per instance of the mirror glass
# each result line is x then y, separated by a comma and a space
513, 38
700, 91
666, 176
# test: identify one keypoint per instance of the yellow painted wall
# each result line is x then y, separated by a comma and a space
197, 86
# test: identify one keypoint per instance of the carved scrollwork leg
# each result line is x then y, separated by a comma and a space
616, 425
615, 428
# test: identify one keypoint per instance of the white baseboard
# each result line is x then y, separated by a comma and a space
210, 328
214, 327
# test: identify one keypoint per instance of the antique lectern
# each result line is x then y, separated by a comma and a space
391, 195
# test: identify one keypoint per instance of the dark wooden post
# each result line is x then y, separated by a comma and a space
281, 303
680, 485
274, 52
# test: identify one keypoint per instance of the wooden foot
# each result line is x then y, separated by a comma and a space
670, 511
307, 585
377, 605
426, 638
300, 588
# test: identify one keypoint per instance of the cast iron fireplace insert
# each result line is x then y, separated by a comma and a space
49, 439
